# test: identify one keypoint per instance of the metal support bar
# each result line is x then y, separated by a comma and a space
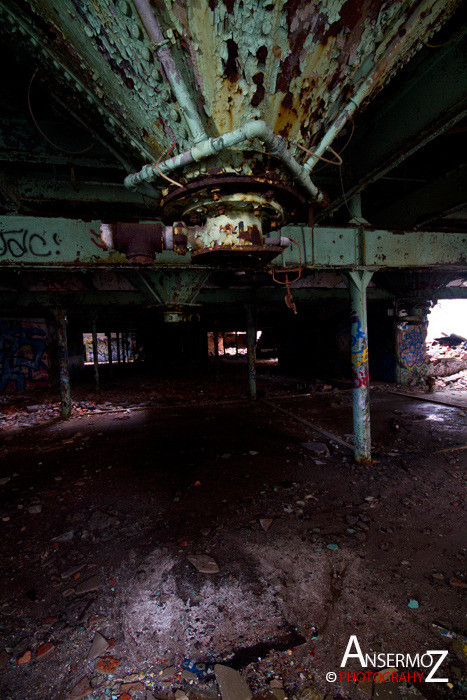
251, 348
95, 352
118, 348
358, 283
63, 373
164, 55
255, 129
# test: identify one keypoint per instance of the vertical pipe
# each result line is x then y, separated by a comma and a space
63, 373
109, 351
251, 348
95, 353
118, 347
358, 283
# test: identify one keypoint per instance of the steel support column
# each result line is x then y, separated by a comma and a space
358, 283
63, 373
118, 347
109, 351
95, 353
251, 348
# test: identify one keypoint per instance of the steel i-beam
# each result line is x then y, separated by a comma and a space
358, 283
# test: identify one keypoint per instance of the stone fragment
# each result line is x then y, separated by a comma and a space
265, 523
318, 448
98, 646
81, 689
4, 480
44, 650
167, 673
457, 583
310, 692
124, 696
276, 683
72, 571
36, 508
24, 658
131, 688
91, 584
64, 537
180, 695
203, 563
149, 695
231, 684
108, 664
413, 604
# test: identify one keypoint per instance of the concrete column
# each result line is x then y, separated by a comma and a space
411, 357
251, 349
95, 353
109, 351
63, 373
358, 283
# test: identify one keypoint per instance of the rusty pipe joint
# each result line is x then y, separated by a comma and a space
141, 242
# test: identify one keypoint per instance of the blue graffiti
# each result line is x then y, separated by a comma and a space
356, 333
22, 358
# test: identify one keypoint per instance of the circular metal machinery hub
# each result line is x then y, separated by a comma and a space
229, 218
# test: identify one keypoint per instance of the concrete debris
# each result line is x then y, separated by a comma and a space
44, 650
318, 448
413, 604
4, 480
37, 508
204, 563
24, 658
65, 537
231, 684
107, 664
90, 585
72, 571
98, 646
266, 523
81, 689
310, 692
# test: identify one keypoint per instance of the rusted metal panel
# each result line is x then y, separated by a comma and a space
293, 64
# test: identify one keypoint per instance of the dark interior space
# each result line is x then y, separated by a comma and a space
233, 350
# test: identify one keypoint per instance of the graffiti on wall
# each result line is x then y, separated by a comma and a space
23, 355
411, 341
359, 349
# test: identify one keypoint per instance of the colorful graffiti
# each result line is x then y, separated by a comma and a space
411, 346
23, 355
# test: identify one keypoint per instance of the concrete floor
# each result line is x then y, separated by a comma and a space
142, 489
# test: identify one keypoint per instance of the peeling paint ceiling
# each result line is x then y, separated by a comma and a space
294, 64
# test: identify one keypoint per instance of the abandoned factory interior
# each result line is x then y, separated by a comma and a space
233, 349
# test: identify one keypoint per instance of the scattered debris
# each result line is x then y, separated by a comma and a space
203, 563
98, 646
231, 684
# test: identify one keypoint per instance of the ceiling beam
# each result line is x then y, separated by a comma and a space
440, 196
430, 102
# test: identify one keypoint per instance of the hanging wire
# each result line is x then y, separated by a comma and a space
339, 160
169, 179
343, 147
362, 223
446, 43
60, 148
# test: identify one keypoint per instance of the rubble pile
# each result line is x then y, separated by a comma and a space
447, 362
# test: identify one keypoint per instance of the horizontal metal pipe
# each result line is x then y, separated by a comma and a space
391, 53
164, 55
276, 145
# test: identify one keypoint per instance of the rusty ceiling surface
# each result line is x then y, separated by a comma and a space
294, 64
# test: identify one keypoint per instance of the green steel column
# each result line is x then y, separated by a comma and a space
358, 283
63, 373
95, 352
251, 349
118, 347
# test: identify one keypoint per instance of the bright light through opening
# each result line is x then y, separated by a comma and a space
448, 316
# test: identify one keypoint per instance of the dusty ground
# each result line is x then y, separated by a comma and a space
140, 489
